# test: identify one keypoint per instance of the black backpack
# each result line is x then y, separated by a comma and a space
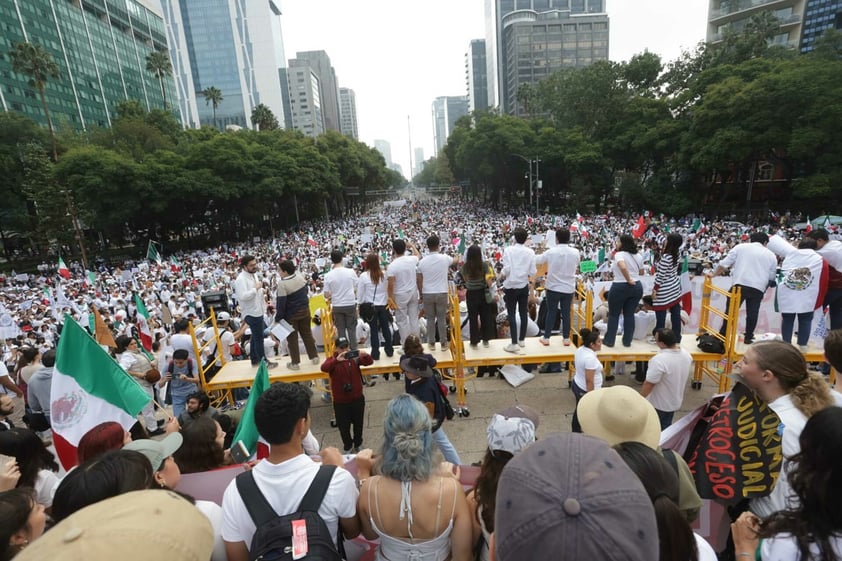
272, 540
710, 344
447, 411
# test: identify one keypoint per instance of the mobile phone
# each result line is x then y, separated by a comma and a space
239, 453
352, 354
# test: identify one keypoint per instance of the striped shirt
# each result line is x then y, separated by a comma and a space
667, 283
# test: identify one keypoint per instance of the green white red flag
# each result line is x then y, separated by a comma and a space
62, 268
686, 287
143, 323
247, 430
88, 388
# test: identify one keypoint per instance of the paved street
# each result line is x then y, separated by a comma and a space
548, 393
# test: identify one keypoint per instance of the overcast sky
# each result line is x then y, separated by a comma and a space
398, 55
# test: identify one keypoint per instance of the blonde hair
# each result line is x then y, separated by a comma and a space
808, 391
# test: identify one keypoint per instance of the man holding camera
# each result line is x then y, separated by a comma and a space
346, 385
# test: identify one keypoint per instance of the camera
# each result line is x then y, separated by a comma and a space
352, 354
347, 388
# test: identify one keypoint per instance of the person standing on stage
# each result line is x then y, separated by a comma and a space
249, 290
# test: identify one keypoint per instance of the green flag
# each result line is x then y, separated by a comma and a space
601, 255
247, 430
152, 253
461, 248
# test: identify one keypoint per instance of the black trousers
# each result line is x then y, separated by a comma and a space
753, 298
348, 414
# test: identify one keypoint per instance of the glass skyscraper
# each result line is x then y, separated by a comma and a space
527, 40
100, 47
235, 46
819, 16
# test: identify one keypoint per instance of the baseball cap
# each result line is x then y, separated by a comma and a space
342, 342
223, 316
156, 451
509, 434
561, 493
115, 527
619, 414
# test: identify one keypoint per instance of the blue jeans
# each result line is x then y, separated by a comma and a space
446, 447
554, 299
753, 298
380, 324
805, 324
833, 299
256, 352
675, 320
665, 418
517, 299
622, 298
577, 393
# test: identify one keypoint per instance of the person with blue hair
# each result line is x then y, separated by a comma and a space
415, 505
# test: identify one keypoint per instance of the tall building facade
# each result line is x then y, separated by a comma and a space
419, 162
446, 111
232, 45
305, 98
384, 148
732, 16
476, 75
100, 47
527, 40
320, 63
819, 16
348, 113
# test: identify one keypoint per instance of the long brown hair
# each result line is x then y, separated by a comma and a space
808, 391
485, 488
372, 265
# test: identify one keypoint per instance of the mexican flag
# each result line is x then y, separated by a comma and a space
88, 388
246, 430
686, 287
143, 323
152, 253
311, 241
175, 266
639, 228
600, 256
698, 226
809, 227
62, 268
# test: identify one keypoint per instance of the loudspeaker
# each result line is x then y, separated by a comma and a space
217, 300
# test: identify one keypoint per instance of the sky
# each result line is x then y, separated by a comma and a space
399, 55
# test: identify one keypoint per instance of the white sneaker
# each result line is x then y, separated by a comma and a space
315, 360
511, 348
432, 347
521, 343
651, 340
803, 348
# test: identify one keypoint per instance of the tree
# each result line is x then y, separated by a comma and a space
33, 61
213, 96
158, 63
263, 118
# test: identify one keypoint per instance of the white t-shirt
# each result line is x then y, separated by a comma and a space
284, 485
706, 552
4, 372
433, 268
586, 359
783, 547
341, 286
634, 263
213, 512
669, 371
403, 270
562, 262
45, 482
184, 341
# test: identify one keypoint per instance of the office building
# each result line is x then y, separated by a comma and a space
236, 47
384, 148
320, 63
348, 113
446, 111
528, 40
732, 16
419, 162
100, 48
476, 76
305, 98
819, 16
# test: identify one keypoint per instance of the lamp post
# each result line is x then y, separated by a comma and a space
528, 161
537, 187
